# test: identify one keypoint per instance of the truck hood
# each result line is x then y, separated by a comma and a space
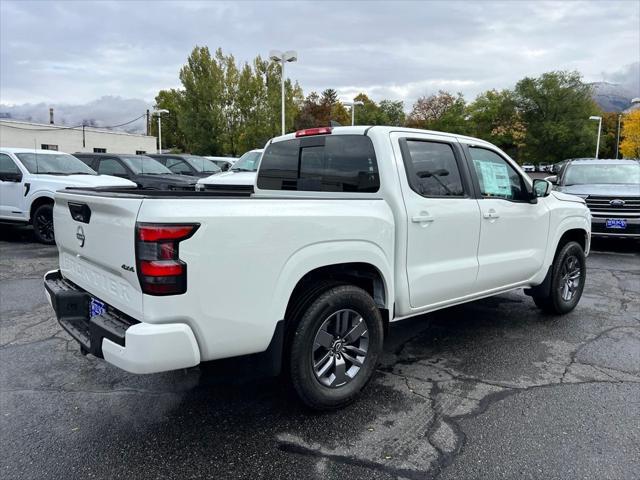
230, 178
63, 181
609, 190
565, 197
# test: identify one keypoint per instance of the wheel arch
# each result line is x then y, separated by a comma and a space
42, 199
360, 263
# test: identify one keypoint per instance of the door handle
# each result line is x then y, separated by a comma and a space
491, 214
422, 219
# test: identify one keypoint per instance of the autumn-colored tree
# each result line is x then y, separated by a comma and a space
630, 146
494, 117
442, 111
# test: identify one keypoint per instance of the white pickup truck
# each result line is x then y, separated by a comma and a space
29, 178
349, 229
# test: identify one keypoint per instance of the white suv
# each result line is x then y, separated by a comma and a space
241, 176
29, 178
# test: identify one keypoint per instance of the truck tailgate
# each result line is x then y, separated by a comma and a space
97, 247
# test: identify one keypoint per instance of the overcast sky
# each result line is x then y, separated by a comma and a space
74, 52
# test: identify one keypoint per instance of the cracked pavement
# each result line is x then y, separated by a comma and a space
491, 389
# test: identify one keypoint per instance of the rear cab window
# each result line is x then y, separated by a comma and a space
327, 163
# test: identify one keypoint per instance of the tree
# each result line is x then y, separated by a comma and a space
202, 118
442, 111
609, 134
391, 113
493, 116
555, 108
630, 146
172, 135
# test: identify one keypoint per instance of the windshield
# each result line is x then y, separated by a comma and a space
143, 164
247, 162
54, 164
584, 174
202, 164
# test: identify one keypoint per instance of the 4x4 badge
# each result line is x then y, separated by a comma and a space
80, 236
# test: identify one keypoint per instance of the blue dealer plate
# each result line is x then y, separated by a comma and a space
618, 223
96, 307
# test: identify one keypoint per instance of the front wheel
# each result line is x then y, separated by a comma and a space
569, 272
335, 347
43, 224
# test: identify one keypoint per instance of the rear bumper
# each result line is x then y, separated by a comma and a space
599, 229
122, 341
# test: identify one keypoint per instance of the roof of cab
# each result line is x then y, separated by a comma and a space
385, 130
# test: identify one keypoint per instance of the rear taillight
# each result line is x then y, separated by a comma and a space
160, 270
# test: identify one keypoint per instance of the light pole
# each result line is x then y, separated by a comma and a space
353, 109
283, 57
159, 114
595, 117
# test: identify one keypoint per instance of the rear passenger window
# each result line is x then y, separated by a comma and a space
432, 170
341, 163
178, 166
111, 166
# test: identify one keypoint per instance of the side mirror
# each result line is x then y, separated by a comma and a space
541, 188
11, 177
553, 179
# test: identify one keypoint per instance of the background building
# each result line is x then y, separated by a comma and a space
14, 133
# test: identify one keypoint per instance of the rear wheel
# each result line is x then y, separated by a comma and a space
335, 347
43, 224
569, 273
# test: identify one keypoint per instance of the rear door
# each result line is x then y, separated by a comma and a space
96, 242
443, 219
513, 236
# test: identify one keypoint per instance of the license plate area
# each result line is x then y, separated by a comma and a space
96, 307
616, 223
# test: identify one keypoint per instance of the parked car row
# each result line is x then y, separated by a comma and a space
29, 178
540, 167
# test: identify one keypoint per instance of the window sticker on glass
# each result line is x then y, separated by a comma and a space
495, 178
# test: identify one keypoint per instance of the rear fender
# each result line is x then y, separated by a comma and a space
325, 254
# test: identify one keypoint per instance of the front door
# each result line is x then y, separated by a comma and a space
11, 191
513, 235
443, 220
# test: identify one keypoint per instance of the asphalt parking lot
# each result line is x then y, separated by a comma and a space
492, 389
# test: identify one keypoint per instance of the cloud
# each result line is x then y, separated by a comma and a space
69, 52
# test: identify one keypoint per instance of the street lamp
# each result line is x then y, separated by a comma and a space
159, 114
353, 109
283, 57
595, 117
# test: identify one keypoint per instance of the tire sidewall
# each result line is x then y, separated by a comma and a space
560, 305
304, 380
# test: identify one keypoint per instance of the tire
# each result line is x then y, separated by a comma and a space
43, 224
343, 363
569, 272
